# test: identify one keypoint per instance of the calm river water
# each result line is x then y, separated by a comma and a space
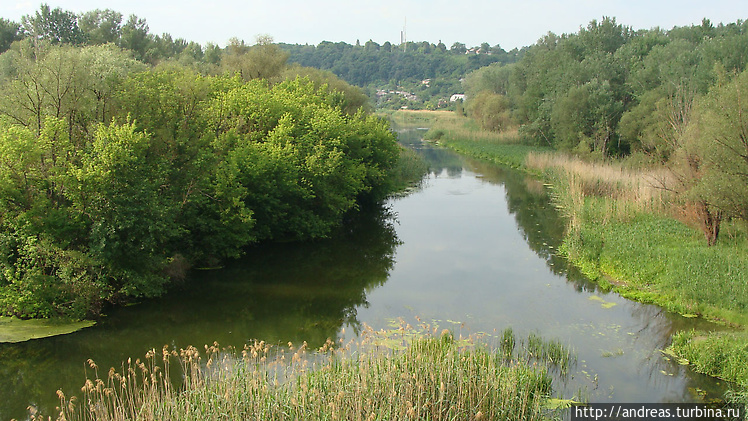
474, 250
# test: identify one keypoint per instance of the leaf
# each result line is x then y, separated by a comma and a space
15, 330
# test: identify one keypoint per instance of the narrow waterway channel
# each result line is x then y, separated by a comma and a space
473, 249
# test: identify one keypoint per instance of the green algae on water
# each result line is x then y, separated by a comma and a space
16, 330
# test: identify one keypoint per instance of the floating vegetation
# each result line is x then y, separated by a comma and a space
616, 353
603, 303
17, 330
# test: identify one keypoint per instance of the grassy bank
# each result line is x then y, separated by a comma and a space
400, 374
624, 231
464, 136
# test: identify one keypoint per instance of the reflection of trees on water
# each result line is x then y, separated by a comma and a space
440, 160
542, 227
656, 328
277, 293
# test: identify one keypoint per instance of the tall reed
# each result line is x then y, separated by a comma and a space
626, 191
384, 375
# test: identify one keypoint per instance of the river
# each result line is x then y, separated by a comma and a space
473, 249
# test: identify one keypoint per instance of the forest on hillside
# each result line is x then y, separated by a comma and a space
416, 75
423, 74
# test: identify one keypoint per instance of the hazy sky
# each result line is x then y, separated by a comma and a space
515, 23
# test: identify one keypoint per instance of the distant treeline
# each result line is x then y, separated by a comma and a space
371, 63
371, 66
97, 27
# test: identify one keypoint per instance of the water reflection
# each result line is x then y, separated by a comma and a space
619, 342
277, 293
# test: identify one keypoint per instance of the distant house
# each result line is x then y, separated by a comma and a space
456, 97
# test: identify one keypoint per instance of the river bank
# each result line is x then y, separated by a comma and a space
472, 249
622, 233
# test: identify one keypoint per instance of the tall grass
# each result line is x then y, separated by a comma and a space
722, 354
463, 135
408, 172
395, 375
627, 192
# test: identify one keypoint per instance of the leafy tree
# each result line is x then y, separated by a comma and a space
306, 160
135, 37
54, 25
490, 110
350, 99
101, 26
264, 60
720, 135
9, 32
120, 184
70, 83
212, 54
458, 48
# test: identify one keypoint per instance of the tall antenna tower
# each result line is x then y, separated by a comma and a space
403, 36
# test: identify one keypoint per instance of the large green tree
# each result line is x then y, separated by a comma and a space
9, 32
101, 26
56, 25
720, 130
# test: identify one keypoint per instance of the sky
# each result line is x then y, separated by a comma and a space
508, 23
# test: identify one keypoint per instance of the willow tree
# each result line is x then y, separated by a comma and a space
722, 136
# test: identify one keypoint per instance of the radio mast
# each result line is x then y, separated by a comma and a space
403, 36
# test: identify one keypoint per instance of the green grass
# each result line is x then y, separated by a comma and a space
400, 374
408, 172
464, 136
719, 354
660, 260
509, 154
627, 239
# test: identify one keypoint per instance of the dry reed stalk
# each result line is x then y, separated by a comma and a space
631, 191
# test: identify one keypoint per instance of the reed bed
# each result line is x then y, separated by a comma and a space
401, 374
626, 191
408, 172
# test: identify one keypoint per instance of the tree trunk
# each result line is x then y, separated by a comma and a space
710, 220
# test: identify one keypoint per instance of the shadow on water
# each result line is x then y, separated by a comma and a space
277, 293
619, 342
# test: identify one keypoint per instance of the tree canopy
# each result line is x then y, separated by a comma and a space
675, 96
116, 175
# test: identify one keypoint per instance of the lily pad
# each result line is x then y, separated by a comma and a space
17, 330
